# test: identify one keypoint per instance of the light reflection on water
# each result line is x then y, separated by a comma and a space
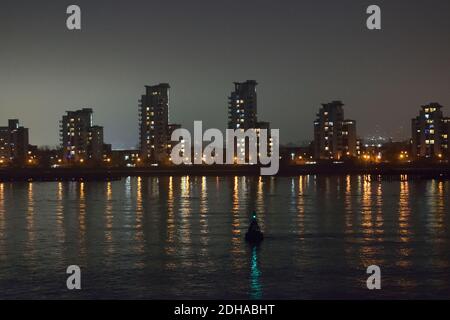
255, 285
2, 223
183, 237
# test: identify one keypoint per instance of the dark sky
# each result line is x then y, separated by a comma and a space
302, 53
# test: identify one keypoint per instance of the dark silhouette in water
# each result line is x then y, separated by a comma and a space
254, 234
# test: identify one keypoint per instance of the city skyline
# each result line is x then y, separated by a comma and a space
169, 126
335, 136
370, 132
303, 53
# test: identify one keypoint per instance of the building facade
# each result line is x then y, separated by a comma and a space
14, 144
81, 141
243, 106
334, 136
125, 158
155, 130
154, 120
243, 115
430, 133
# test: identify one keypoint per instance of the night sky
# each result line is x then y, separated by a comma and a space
302, 53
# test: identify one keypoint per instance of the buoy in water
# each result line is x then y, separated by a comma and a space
254, 234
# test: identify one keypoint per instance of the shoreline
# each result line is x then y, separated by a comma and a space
382, 171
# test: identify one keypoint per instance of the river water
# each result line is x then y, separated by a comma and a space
183, 238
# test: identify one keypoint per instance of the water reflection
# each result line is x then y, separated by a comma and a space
82, 219
436, 200
405, 249
404, 213
59, 213
438, 224
300, 199
366, 209
139, 236
170, 239
2, 222
348, 206
109, 217
260, 204
185, 227
30, 250
237, 204
204, 238
185, 235
256, 290
379, 224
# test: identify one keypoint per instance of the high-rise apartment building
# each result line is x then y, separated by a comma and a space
243, 114
81, 140
242, 106
155, 130
14, 144
334, 136
154, 120
430, 133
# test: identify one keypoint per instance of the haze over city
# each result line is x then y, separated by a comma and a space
302, 53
